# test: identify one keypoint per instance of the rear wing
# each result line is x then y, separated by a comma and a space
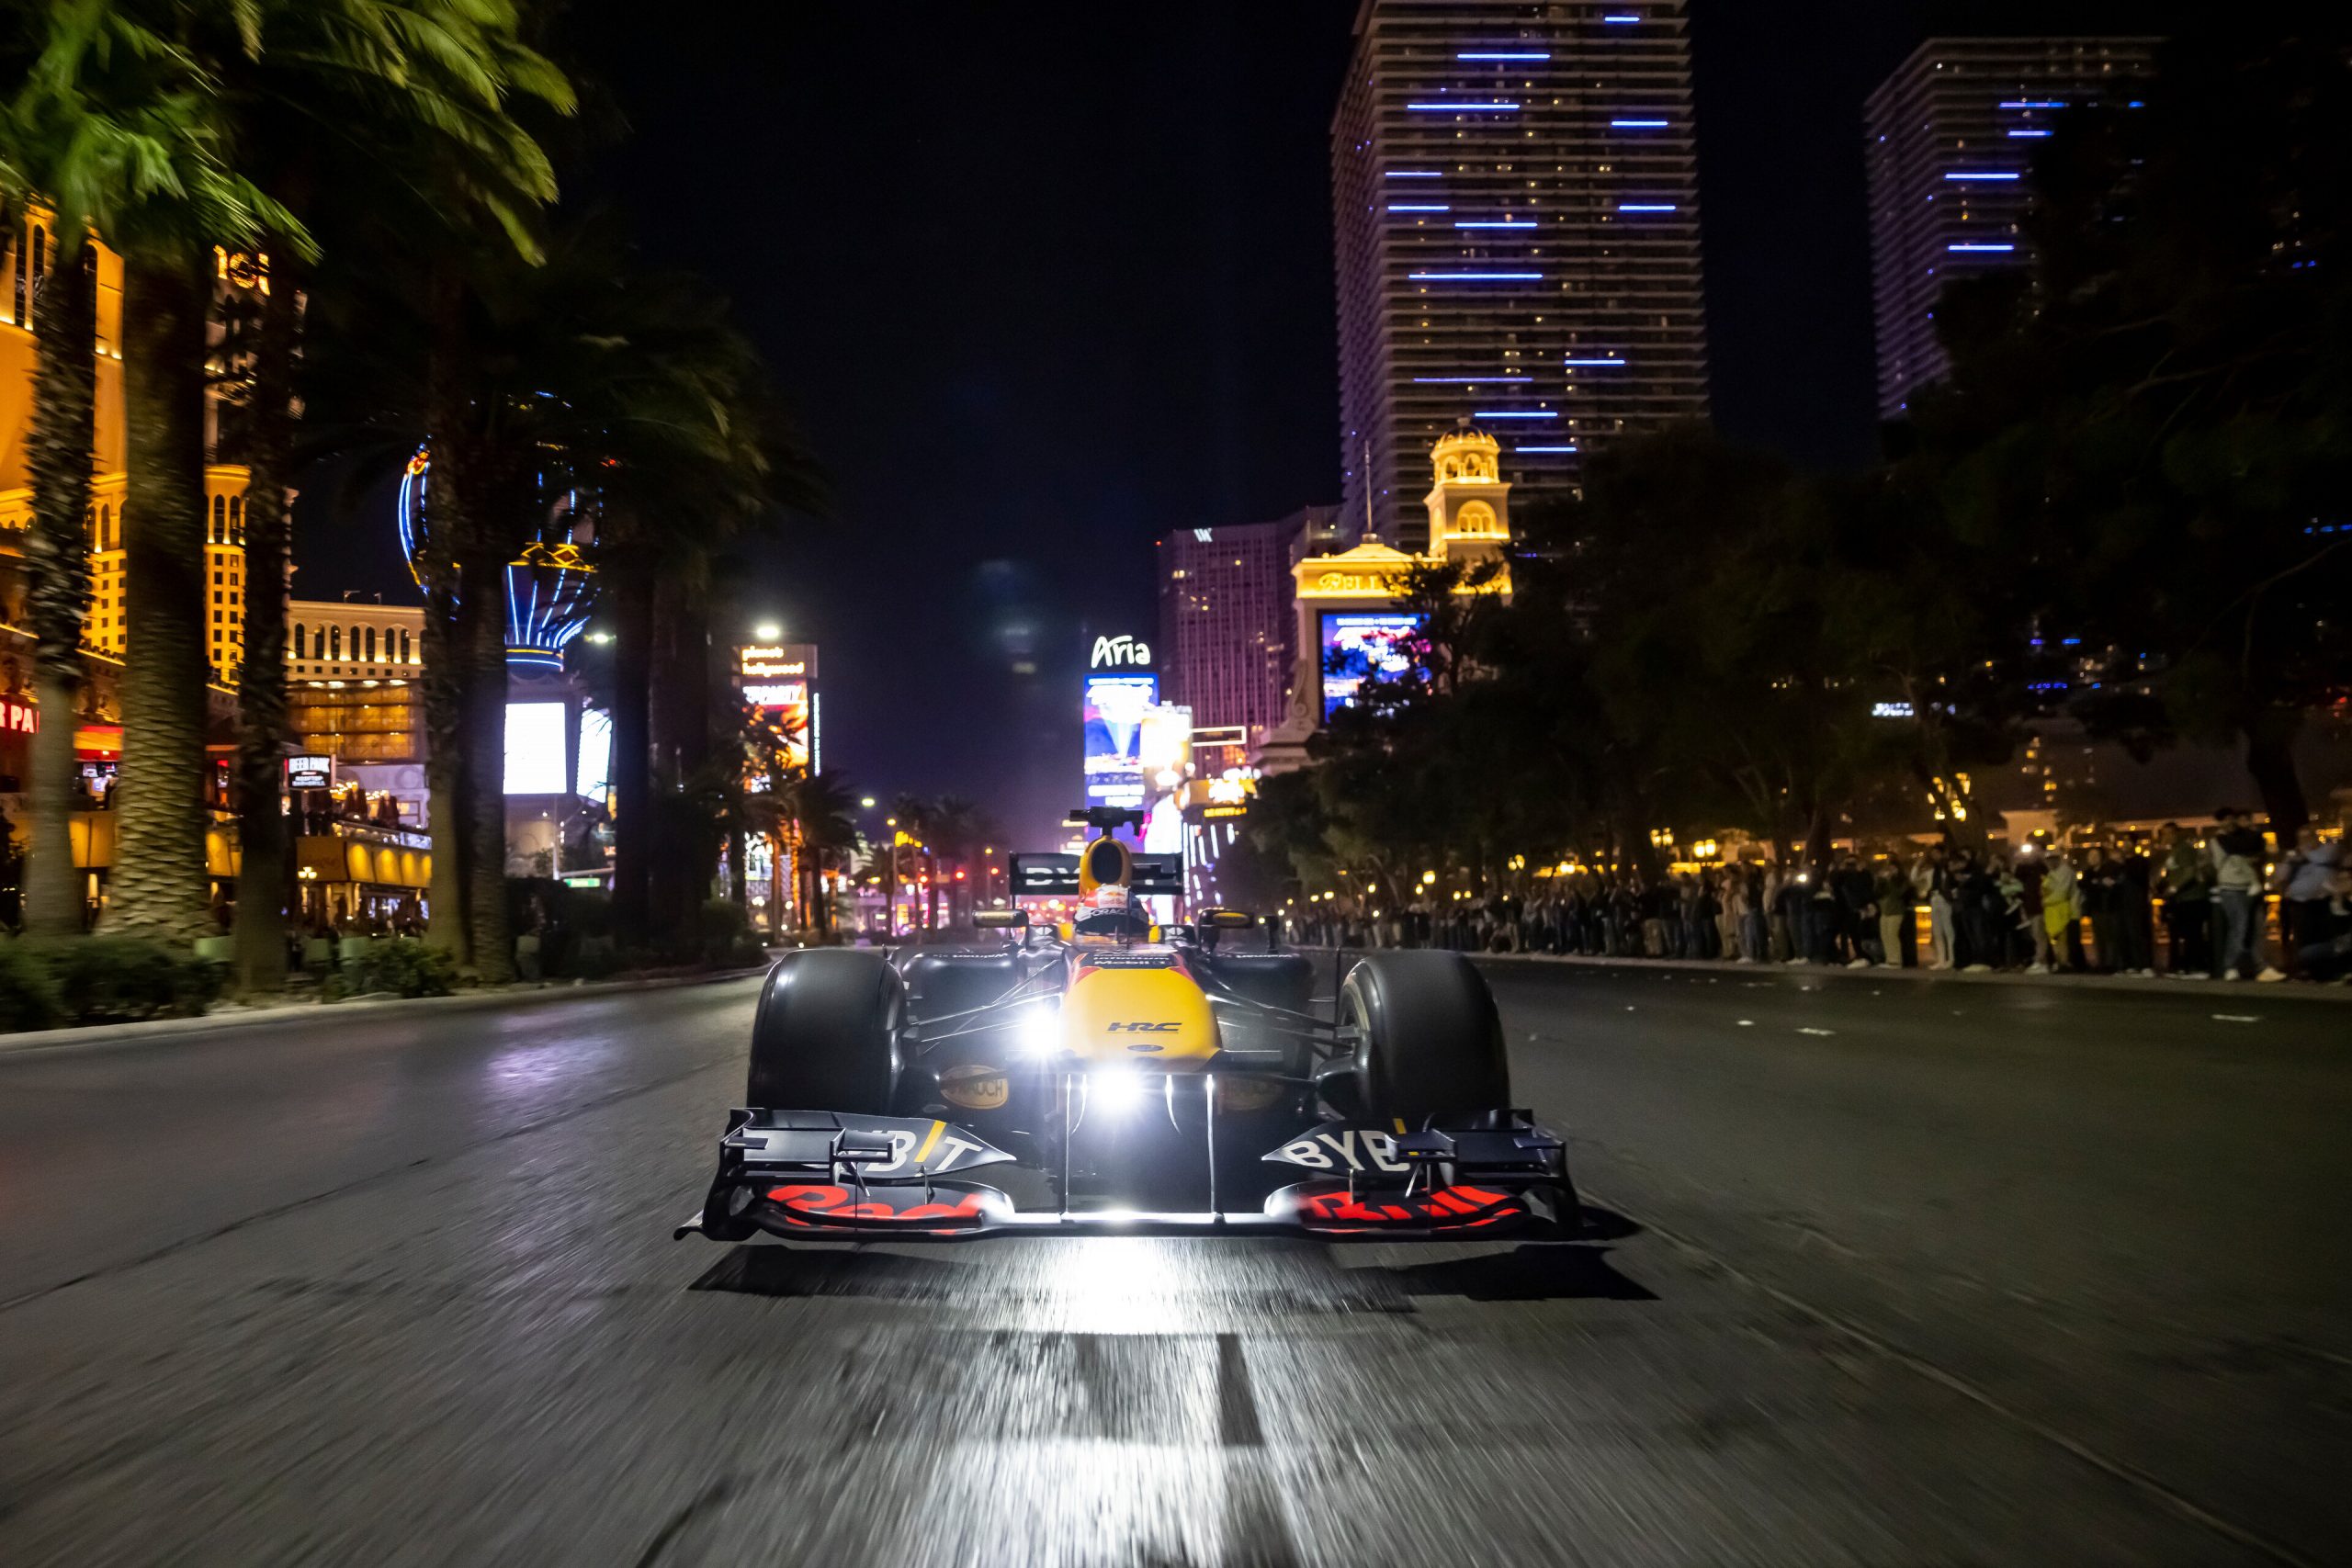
1056, 877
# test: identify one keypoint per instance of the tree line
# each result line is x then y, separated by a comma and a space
389, 168
2127, 501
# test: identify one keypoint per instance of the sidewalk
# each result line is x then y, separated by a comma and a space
2161, 984
231, 1016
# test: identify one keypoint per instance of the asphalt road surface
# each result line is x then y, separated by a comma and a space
1888, 1274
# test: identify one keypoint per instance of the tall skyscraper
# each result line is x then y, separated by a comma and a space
1950, 142
1225, 618
1518, 239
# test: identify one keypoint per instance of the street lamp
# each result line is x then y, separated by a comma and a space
767, 631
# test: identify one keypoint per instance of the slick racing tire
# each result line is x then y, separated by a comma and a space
1428, 1040
826, 1036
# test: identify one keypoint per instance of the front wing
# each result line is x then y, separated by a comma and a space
814, 1176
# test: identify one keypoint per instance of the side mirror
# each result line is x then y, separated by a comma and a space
1226, 919
1001, 919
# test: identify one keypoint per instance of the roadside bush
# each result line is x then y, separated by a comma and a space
592, 958
722, 929
405, 967
113, 979
29, 997
749, 953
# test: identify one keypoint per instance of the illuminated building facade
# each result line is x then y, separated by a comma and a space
1950, 140
1517, 219
1225, 618
30, 250
1349, 625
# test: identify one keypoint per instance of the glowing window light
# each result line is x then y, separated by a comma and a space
1467, 380
1620, 21
1508, 413
1639, 124
1500, 54
1570, 448
2028, 135
1982, 174
1647, 207
1477, 277
1495, 223
1498, 105
1980, 247
2034, 103
1413, 174
1612, 362
1419, 207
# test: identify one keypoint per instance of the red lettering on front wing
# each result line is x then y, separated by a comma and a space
836, 1203
1440, 1208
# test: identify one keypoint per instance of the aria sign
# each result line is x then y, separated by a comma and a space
1121, 652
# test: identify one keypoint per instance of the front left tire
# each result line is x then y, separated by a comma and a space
827, 1034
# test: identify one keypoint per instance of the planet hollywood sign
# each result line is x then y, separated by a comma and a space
774, 662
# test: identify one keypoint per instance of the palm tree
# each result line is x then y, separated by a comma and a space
818, 808
57, 557
956, 829
128, 140
353, 98
914, 816
697, 453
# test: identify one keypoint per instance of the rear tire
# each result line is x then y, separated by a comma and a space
1430, 1042
826, 1036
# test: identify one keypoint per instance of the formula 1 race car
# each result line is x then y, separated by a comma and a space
1114, 1078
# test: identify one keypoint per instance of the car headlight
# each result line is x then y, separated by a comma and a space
1117, 1092
1039, 1031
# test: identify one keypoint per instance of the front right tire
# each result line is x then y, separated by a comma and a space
1430, 1042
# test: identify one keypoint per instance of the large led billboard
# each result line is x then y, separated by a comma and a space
1357, 647
535, 753
785, 704
1114, 713
594, 778
780, 680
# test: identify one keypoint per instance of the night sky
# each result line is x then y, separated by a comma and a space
1047, 279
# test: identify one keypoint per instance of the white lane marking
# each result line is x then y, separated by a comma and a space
1803, 1029
1747, 1023
2237, 1017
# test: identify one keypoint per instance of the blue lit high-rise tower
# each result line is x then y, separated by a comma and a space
1950, 140
1518, 239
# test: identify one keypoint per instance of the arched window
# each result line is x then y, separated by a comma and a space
110, 527
236, 519
219, 519
406, 656
298, 639
371, 645
355, 643
335, 641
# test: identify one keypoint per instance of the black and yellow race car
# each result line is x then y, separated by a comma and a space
1113, 1078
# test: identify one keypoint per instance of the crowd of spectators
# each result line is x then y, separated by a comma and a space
2186, 905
